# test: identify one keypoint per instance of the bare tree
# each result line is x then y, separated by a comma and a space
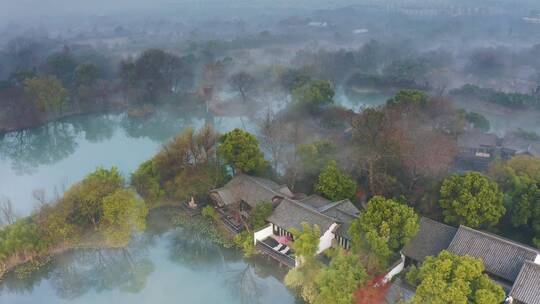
7, 215
242, 82
40, 196
273, 137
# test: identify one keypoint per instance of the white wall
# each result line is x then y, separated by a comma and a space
263, 233
537, 259
395, 270
325, 241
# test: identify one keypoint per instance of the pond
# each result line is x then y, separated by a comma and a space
357, 99
50, 158
166, 267
171, 267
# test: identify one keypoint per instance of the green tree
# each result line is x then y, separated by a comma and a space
519, 178
257, 217
471, 199
21, 238
86, 74
409, 99
303, 279
87, 196
146, 181
211, 213
314, 94
242, 82
62, 65
306, 242
338, 282
240, 150
384, 228
46, 92
478, 121
452, 279
123, 214
335, 185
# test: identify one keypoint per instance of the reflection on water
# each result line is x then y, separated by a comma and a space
175, 267
357, 99
45, 145
55, 155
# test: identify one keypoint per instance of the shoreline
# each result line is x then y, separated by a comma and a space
10, 129
24, 258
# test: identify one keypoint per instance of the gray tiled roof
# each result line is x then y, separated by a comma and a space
477, 139
252, 190
432, 238
526, 289
501, 257
290, 214
344, 212
521, 145
315, 201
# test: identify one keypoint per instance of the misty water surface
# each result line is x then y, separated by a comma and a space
54, 156
174, 267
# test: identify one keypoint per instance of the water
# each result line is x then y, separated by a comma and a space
54, 156
174, 267
171, 267
358, 99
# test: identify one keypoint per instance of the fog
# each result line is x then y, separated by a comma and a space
385, 91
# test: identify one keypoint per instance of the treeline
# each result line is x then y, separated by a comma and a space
513, 100
100, 211
43, 81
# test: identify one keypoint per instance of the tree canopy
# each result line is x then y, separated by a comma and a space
257, 217
46, 92
314, 93
242, 82
453, 279
186, 166
123, 214
334, 184
384, 227
306, 241
471, 199
519, 178
338, 282
240, 150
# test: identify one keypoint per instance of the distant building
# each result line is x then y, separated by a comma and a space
318, 24
360, 31
535, 19
478, 149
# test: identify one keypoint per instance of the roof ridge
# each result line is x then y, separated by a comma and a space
336, 205
436, 222
526, 263
498, 238
285, 198
329, 206
297, 203
254, 179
